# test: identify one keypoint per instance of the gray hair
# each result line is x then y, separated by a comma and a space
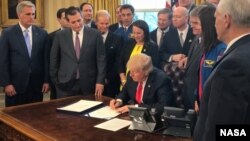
166, 11
102, 13
140, 62
238, 9
23, 4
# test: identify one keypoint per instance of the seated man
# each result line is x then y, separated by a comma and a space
146, 87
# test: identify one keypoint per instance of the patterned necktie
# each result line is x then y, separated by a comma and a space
138, 95
181, 38
27, 41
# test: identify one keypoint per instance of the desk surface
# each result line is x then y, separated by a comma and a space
41, 121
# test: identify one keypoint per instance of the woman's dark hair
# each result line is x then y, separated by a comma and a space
144, 26
209, 36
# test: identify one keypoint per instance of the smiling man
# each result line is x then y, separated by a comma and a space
78, 60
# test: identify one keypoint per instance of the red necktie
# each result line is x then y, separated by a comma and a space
138, 95
200, 89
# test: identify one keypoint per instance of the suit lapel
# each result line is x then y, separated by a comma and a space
85, 40
35, 37
20, 37
233, 47
148, 85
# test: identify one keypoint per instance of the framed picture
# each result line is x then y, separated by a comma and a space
9, 16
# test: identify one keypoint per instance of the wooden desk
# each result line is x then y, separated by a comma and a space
41, 122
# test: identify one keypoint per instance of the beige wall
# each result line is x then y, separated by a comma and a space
50, 8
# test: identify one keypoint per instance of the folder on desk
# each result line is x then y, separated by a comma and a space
81, 106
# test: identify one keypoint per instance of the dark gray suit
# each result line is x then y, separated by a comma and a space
64, 64
226, 98
191, 74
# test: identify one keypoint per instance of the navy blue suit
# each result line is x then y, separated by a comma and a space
26, 74
157, 92
226, 98
171, 44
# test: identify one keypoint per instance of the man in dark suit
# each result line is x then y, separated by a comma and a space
24, 51
191, 63
146, 87
175, 47
117, 25
226, 99
64, 24
78, 60
113, 44
164, 22
87, 13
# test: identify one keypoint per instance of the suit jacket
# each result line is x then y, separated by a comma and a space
92, 62
124, 34
93, 25
114, 27
171, 44
157, 92
16, 65
191, 74
149, 48
226, 98
153, 34
113, 44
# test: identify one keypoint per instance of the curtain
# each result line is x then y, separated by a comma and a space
197, 2
109, 5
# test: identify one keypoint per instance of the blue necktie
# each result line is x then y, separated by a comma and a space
27, 41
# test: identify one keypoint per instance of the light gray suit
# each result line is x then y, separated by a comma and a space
64, 64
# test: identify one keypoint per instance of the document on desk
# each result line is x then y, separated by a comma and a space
80, 106
105, 113
114, 124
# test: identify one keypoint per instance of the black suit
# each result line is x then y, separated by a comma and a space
191, 75
26, 74
153, 35
113, 44
226, 98
114, 27
157, 92
171, 44
149, 48
64, 63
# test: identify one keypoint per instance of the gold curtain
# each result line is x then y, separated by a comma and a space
197, 2
109, 5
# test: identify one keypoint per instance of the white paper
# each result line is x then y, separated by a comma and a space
80, 106
104, 113
114, 124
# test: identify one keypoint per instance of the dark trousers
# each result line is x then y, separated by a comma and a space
76, 90
31, 94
